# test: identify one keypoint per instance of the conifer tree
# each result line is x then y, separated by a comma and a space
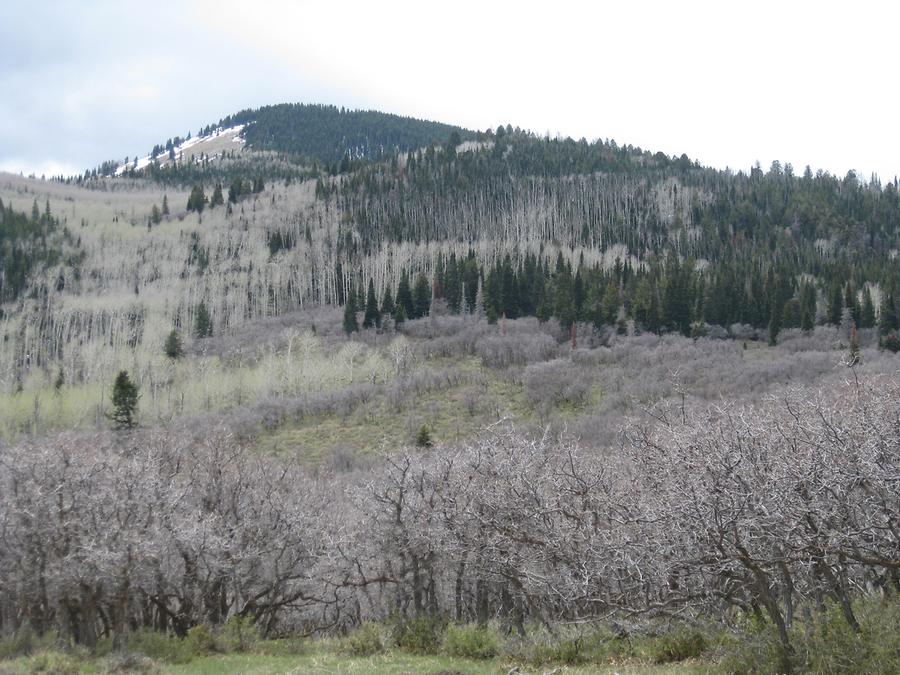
399, 314
887, 315
404, 296
217, 198
203, 326
165, 206
611, 302
351, 325
654, 314
493, 295
372, 316
835, 305
867, 311
478, 306
471, 277
197, 199
421, 297
564, 299
423, 438
807, 307
452, 285
124, 401
173, 346
509, 290
387, 303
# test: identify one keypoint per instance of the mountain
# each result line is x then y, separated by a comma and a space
293, 206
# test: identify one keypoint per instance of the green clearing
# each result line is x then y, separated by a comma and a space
452, 413
389, 663
378, 423
393, 663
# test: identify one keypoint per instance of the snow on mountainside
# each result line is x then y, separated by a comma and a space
213, 143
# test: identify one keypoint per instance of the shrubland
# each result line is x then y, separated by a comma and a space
767, 519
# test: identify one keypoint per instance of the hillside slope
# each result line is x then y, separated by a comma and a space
596, 235
329, 134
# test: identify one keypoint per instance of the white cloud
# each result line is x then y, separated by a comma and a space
728, 84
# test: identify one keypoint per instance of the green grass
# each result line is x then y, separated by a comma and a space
324, 663
389, 663
378, 423
445, 412
191, 385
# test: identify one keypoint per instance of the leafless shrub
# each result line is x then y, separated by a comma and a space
554, 383
503, 351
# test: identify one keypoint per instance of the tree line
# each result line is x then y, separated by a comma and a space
667, 295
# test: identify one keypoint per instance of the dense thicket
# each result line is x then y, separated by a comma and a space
332, 134
767, 509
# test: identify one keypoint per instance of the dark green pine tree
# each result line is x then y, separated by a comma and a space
835, 305
217, 198
493, 294
611, 302
564, 298
124, 400
197, 199
235, 190
404, 296
387, 303
372, 316
203, 325
781, 292
453, 285
756, 307
807, 307
165, 206
544, 309
351, 325
399, 315
173, 345
654, 315
641, 301
421, 297
867, 311
887, 315
470, 277
528, 280
715, 299
678, 298
578, 293
423, 438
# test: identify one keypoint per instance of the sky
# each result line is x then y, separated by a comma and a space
729, 84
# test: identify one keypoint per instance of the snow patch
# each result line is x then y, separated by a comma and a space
144, 162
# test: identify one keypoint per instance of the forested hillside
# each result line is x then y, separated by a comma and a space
28, 244
333, 135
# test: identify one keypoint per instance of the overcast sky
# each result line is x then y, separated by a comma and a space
727, 83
